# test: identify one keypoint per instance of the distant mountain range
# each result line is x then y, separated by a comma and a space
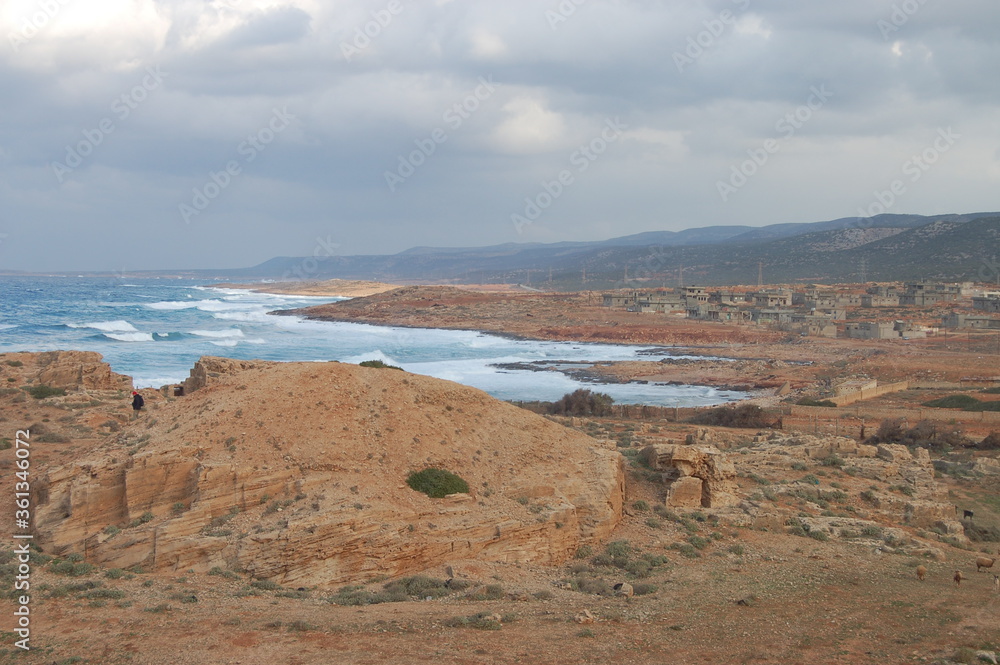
852, 249
954, 247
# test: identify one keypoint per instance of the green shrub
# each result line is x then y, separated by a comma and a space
582, 402
808, 401
833, 460
43, 391
745, 415
641, 505
437, 483
419, 586
378, 364
584, 552
953, 402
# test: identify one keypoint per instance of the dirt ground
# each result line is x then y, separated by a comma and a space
751, 597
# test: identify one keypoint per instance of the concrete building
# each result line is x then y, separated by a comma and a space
872, 300
870, 330
772, 299
959, 320
988, 303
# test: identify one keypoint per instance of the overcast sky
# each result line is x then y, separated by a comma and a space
194, 134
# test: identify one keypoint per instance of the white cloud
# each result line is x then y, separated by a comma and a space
529, 128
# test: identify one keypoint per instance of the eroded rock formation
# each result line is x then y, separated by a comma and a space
297, 472
696, 476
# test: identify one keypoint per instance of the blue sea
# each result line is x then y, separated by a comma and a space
155, 329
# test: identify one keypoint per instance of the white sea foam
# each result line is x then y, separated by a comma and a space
7, 326
106, 326
168, 305
130, 336
226, 342
229, 332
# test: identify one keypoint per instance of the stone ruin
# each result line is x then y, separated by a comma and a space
696, 476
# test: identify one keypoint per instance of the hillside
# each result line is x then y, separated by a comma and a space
297, 473
830, 251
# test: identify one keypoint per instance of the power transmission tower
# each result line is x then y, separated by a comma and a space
760, 274
864, 270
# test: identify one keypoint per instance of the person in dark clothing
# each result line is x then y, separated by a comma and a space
137, 403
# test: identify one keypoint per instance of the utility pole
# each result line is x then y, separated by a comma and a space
760, 274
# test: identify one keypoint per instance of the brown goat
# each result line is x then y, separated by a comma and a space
921, 572
958, 577
983, 562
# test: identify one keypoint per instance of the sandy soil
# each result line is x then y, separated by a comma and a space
349, 288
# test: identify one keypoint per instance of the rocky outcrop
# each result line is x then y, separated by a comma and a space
209, 368
70, 370
297, 473
696, 476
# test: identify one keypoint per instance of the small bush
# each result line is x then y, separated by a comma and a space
641, 505
419, 586
43, 391
833, 460
437, 483
584, 552
582, 402
953, 402
745, 415
808, 401
378, 364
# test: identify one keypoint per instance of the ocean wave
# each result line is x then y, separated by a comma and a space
377, 354
106, 326
7, 326
228, 333
255, 316
130, 336
171, 304
226, 342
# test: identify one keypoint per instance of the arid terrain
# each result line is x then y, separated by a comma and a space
264, 516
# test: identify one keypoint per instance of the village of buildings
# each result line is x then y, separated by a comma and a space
907, 311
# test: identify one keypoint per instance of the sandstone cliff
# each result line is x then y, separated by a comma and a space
70, 370
296, 472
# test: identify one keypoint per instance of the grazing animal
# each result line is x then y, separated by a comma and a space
996, 584
968, 514
983, 562
921, 572
958, 577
